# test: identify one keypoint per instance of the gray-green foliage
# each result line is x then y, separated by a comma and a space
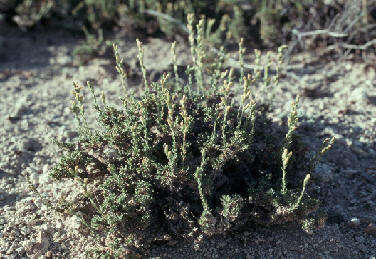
272, 21
184, 159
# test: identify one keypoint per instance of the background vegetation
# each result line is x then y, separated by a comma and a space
264, 22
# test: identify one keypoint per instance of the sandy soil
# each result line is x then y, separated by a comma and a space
36, 73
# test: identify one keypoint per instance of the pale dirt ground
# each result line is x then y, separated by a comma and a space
36, 73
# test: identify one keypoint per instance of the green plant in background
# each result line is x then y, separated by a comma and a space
93, 45
278, 17
184, 159
272, 21
30, 12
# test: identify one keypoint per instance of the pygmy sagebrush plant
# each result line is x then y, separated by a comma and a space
184, 159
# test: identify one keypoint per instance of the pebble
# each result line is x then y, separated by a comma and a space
25, 230
63, 60
44, 178
354, 222
358, 96
33, 176
24, 125
67, 111
46, 168
22, 106
74, 222
59, 224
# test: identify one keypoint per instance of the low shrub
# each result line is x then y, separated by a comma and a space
185, 159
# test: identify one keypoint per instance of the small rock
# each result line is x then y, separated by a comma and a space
371, 229
44, 178
59, 224
22, 106
24, 125
46, 168
67, 111
25, 230
74, 222
358, 96
64, 60
33, 176
354, 222
49, 254
363, 140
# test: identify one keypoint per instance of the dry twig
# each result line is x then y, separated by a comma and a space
319, 32
354, 47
